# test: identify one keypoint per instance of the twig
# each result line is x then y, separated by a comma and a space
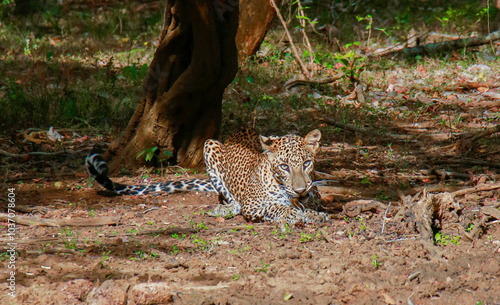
294, 50
150, 209
385, 218
302, 21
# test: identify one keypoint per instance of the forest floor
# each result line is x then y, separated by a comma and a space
411, 148
418, 225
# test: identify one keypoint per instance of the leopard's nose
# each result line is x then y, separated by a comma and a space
299, 190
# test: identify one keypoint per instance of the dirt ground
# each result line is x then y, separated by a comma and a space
164, 249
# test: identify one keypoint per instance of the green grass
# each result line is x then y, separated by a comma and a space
77, 67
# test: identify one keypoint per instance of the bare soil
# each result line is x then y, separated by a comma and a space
165, 249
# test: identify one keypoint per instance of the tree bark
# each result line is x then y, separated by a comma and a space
182, 93
256, 17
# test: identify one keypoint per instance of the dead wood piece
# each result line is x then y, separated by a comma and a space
324, 176
491, 211
465, 161
206, 288
359, 94
36, 153
31, 209
471, 235
356, 207
474, 136
431, 189
71, 222
477, 188
428, 210
440, 47
471, 85
385, 218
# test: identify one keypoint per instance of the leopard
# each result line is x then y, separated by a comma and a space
262, 178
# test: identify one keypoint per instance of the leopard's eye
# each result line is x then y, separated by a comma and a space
307, 163
284, 167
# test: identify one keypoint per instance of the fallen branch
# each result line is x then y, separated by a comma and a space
356, 207
474, 136
471, 85
491, 211
443, 46
292, 45
352, 128
71, 222
34, 153
463, 162
289, 84
477, 188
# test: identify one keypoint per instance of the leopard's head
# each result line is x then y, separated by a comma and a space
292, 159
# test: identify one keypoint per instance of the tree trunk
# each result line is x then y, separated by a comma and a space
182, 93
256, 17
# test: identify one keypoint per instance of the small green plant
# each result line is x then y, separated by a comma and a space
305, 237
446, 239
236, 277
132, 231
366, 180
200, 243
362, 223
202, 226
369, 19
92, 213
263, 268
375, 262
352, 64
175, 250
351, 234
104, 258
149, 153
470, 227
70, 244
150, 223
176, 236
4, 256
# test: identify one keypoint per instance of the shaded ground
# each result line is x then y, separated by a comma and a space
164, 249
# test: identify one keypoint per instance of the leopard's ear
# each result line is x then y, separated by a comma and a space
266, 143
312, 140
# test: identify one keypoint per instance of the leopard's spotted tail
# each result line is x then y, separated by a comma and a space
97, 168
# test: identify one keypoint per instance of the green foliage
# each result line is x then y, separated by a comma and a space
148, 152
352, 64
263, 267
375, 262
440, 239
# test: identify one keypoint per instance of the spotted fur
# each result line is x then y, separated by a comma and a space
262, 178
98, 169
